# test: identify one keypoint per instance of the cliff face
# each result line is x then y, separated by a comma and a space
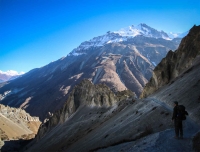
175, 63
15, 123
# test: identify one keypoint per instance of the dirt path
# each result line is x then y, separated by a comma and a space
162, 141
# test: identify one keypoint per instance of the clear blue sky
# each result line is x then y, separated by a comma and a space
36, 32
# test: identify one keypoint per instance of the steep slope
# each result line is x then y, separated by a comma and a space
100, 119
176, 62
183, 80
17, 124
126, 124
121, 62
186, 90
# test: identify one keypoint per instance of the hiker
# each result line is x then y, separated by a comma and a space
177, 118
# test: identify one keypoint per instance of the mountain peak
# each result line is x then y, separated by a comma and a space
122, 35
144, 30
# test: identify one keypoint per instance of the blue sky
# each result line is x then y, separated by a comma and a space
35, 32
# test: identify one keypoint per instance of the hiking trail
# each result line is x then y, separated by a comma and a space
161, 141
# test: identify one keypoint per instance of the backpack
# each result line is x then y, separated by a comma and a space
181, 112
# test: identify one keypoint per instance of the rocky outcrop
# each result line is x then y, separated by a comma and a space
100, 119
15, 124
3, 135
85, 94
175, 63
16, 113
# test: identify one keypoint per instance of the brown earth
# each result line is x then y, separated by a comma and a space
17, 124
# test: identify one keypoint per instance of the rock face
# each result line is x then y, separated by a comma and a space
17, 124
94, 117
175, 63
122, 65
84, 95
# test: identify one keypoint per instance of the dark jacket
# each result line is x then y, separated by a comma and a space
175, 113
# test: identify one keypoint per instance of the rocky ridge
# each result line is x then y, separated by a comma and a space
99, 120
15, 124
84, 95
175, 63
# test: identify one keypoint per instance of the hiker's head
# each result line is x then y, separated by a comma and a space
175, 103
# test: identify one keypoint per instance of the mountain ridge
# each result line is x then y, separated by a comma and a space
123, 35
174, 63
120, 65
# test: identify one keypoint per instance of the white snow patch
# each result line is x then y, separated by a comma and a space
140, 29
154, 63
77, 54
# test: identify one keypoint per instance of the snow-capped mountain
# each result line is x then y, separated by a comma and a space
142, 29
123, 35
121, 59
9, 75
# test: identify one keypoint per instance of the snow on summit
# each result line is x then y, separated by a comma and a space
144, 30
123, 35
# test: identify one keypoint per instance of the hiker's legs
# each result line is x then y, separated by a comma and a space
176, 125
181, 128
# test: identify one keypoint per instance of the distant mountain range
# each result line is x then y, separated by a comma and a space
9, 75
122, 60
